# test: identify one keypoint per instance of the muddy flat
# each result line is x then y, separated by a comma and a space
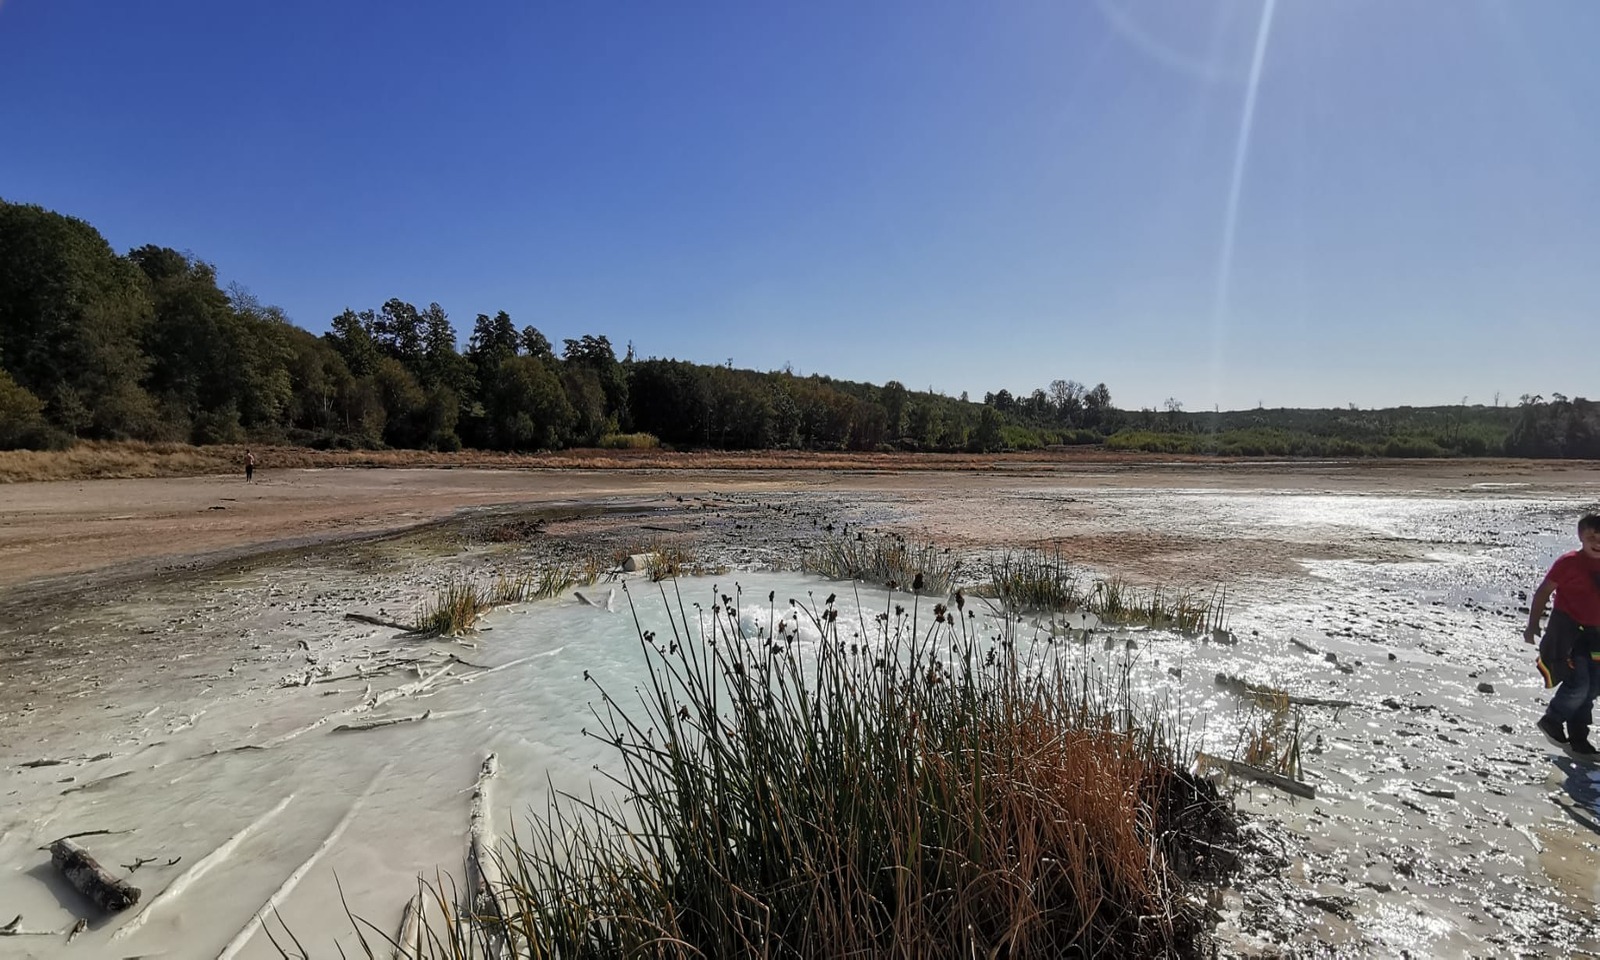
71, 527
176, 656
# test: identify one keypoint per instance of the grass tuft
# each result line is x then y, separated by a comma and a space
1046, 580
884, 560
456, 608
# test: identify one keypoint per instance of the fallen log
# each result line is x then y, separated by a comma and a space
375, 724
1243, 687
480, 856
1239, 768
92, 880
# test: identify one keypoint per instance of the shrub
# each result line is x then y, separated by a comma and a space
629, 441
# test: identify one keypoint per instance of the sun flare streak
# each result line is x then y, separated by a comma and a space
1221, 307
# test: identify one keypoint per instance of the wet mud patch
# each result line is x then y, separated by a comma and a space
1441, 824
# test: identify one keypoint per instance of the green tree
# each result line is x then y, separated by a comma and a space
22, 422
595, 353
986, 438
493, 340
352, 337
536, 344
71, 316
526, 407
399, 331
894, 409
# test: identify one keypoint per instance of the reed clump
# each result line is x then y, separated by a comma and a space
454, 609
885, 560
914, 790
459, 604
1114, 600
1034, 580
668, 562
1046, 580
1269, 736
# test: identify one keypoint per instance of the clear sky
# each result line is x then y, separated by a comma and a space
964, 196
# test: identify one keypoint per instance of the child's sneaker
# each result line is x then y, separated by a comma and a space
1579, 748
1554, 730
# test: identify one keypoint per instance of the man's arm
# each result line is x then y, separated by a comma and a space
1541, 597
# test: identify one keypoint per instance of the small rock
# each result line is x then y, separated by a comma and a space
1486, 687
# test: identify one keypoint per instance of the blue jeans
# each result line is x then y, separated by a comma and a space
1573, 703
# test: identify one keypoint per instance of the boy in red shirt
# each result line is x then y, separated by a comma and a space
1570, 653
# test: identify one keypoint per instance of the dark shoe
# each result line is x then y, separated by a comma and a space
1554, 730
1581, 749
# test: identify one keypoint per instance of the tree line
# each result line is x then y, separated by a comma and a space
146, 345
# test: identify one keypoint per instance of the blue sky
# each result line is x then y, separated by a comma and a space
963, 196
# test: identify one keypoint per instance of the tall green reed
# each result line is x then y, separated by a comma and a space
883, 559
914, 783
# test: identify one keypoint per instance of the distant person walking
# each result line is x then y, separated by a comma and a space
249, 466
1569, 654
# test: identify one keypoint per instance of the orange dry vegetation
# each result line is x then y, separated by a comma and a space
95, 460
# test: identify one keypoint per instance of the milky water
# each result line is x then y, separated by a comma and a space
1431, 793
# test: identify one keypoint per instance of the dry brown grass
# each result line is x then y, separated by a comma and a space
96, 460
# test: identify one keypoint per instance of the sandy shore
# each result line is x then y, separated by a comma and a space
141, 627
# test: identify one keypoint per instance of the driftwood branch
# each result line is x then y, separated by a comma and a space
92, 880
14, 929
90, 833
1239, 768
1244, 687
95, 784
480, 856
380, 622
375, 724
484, 672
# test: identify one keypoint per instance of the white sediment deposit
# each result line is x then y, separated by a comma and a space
229, 730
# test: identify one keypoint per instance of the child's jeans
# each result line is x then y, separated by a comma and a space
1573, 703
